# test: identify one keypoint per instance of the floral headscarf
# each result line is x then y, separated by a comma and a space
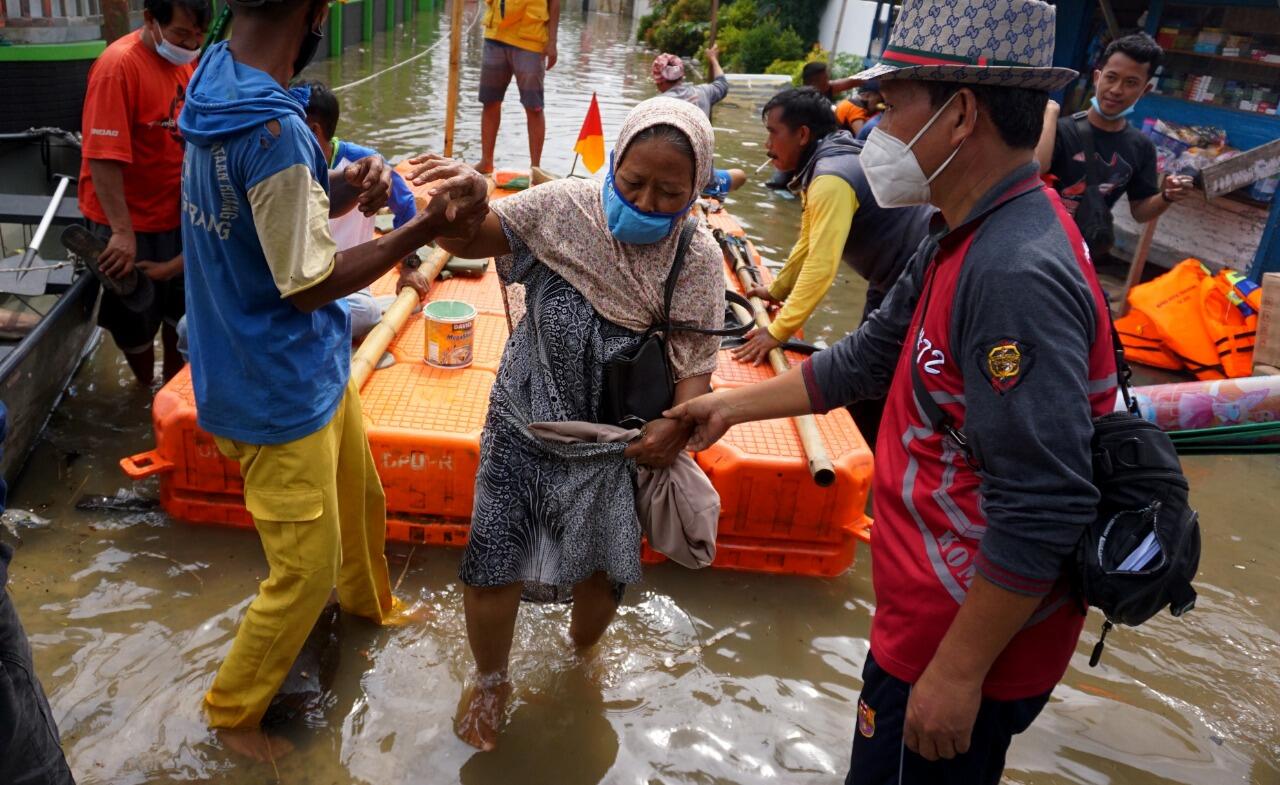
563, 224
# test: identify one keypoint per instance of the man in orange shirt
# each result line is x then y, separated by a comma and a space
130, 178
853, 113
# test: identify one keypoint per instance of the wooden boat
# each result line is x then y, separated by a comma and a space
48, 302
424, 426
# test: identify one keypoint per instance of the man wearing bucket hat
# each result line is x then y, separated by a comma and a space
270, 343
995, 347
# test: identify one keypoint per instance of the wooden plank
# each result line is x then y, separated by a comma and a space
1242, 170
1138, 264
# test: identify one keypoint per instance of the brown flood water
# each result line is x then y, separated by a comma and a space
706, 677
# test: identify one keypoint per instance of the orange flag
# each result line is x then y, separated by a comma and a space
590, 143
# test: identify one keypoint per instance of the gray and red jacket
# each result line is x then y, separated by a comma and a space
1015, 346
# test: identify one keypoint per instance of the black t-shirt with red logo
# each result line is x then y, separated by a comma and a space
1128, 163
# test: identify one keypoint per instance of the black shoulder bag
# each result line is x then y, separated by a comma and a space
1142, 509
1093, 216
638, 385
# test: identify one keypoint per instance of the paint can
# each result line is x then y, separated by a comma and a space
450, 330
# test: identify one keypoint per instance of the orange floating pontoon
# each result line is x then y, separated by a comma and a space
424, 428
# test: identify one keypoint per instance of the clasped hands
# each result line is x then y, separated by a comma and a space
459, 195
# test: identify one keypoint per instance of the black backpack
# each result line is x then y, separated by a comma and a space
1143, 501
1093, 215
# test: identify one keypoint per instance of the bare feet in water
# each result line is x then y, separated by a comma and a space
255, 744
482, 709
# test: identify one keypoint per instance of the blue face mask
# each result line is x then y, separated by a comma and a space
1128, 111
630, 224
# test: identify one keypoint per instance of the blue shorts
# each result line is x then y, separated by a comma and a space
719, 185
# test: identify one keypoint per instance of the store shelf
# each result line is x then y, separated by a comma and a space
1233, 60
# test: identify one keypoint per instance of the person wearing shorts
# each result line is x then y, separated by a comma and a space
134, 332
519, 42
130, 178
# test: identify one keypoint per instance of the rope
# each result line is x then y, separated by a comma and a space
443, 39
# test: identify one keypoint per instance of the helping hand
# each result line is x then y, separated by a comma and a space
118, 258
713, 53
371, 177
459, 198
709, 416
941, 712
757, 347
660, 443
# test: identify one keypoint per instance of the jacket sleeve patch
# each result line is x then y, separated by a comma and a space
1005, 362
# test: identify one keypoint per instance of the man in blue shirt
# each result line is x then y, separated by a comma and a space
269, 341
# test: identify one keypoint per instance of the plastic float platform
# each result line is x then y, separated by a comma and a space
424, 427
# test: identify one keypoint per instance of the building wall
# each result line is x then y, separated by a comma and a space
855, 30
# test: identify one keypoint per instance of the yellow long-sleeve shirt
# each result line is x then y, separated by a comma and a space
828, 207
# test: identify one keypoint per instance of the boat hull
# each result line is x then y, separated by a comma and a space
34, 375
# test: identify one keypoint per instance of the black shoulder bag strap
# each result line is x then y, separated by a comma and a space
938, 419
669, 290
1092, 174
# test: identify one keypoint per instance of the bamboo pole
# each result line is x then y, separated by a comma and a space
820, 466
1138, 264
455, 65
715, 21
380, 337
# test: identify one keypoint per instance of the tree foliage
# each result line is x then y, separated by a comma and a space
753, 34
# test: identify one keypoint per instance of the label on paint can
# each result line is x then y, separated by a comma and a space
449, 327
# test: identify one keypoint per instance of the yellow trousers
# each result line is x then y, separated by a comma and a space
321, 514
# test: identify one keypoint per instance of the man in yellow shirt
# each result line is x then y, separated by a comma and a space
840, 220
519, 41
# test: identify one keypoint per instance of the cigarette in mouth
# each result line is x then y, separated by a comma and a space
761, 167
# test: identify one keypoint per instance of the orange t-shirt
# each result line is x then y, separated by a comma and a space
131, 116
847, 112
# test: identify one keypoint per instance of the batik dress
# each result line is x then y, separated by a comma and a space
540, 518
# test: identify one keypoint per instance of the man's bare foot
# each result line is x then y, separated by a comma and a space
484, 167
254, 743
481, 710
406, 613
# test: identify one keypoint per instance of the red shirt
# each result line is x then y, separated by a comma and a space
928, 505
131, 116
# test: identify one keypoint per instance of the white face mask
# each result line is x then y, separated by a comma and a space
178, 55
892, 170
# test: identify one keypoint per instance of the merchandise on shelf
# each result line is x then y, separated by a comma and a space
1186, 149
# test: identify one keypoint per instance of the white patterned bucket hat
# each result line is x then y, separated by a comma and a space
1004, 43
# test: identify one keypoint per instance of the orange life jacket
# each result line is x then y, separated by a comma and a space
1173, 304
1230, 304
1142, 342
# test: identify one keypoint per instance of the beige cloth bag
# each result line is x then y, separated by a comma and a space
679, 509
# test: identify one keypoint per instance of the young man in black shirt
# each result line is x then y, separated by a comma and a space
1128, 158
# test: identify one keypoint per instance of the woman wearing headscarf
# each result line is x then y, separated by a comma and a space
592, 261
